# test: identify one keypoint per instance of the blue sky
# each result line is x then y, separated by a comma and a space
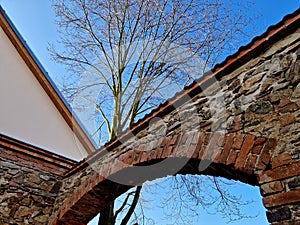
35, 21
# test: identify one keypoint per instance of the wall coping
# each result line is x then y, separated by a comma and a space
32, 156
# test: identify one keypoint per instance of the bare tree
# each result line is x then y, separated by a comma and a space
135, 54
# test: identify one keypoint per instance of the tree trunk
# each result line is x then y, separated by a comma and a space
132, 206
107, 215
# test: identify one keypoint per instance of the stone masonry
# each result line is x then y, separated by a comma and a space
244, 124
241, 121
30, 180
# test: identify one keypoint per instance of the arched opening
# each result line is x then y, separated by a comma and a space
213, 181
245, 158
195, 199
230, 161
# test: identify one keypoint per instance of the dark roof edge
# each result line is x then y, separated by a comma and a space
51, 83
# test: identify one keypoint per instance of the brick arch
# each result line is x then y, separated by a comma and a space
235, 156
231, 156
257, 143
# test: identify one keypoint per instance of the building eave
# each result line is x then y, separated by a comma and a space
45, 81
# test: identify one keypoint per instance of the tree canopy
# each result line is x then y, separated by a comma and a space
125, 57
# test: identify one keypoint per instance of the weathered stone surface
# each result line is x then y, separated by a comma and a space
296, 93
262, 107
294, 183
293, 75
42, 219
23, 211
272, 187
287, 119
23, 198
279, 214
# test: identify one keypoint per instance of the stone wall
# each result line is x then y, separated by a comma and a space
30, 179
246, 123
241, 123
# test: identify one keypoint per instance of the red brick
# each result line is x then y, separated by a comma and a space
282, 199
232, 157
287, 119
167, 151
193, 149
129, 156
196, 137
282, 159
284, 102
260, 165
74, 223
143, 157
180, 151
260, 141
183, 139
217, 155
237, 118
158, 152
236, 126
122, 158
171, 140
164, 142
238, 141
137, 157
167, 143
212, 149
247, 145
189, 146
256, 149
289, 108
196, 145
182, 147
207, 138
221, 142
150, 155
174, 139
280, 173
227, 147
250, 164
214, 140
265, 155
202, 153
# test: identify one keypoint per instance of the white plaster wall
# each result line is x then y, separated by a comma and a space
26, 112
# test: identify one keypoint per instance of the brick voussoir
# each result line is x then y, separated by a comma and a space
283, 198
